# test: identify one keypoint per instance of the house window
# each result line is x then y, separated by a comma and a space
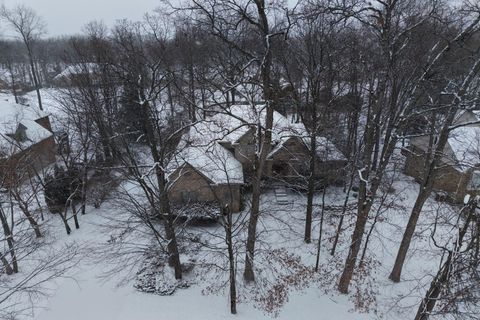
475, 181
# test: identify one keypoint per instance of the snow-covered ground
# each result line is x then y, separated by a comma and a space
87, 294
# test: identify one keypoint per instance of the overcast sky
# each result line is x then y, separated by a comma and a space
69, 16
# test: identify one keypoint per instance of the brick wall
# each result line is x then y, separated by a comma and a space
187, 181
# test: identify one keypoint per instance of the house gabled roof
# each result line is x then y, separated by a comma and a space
462, 150
76, 69
200, 149
464, 143
326, 150
15, 116
238, 120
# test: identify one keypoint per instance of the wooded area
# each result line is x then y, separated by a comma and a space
209, 110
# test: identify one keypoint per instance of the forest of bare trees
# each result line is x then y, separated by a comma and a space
358, 78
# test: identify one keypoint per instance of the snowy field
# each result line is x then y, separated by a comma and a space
90, 290
113, 298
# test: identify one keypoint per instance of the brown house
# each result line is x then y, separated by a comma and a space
215, 155
291, 159
289, 156
203, 171
26, 142
459, 171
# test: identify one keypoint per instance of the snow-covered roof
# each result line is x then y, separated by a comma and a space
238, 120
11, 116
5, 75
200, 149
326, 150
465, 146
77, 69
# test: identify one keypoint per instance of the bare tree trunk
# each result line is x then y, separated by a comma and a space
231, 261
342, 216
320, 232
34, 76
30, 218
364, 205
429, 174
7, 231
264, 141
311, 189
444, 273
408, 234
6, 265
74, 213
65, 222
249, 273
84, 182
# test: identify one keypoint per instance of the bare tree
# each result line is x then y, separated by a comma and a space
29, 26
433, 160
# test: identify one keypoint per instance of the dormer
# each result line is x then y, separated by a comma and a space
20, 134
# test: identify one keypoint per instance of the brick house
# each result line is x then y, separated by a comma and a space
26, 142
203, 171
459, 171
290, 159
215, 155
289, 155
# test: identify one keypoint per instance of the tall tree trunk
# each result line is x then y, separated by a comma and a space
408, 234
35, 77
30, 218
444, 273
364, 205
7, 231
264, 141
342, 216
249, 273
320, 232
231, 260
427, 183
6, 265
172, 246
311, 189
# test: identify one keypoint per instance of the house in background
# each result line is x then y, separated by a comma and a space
290, 159
459, 171
289, 155
215, 155
204, 171
26, 142
75, 73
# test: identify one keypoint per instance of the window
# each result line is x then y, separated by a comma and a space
475, 181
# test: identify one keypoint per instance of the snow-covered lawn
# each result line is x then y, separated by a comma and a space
87, 295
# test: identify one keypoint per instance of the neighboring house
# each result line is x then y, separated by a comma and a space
214, 156
468, 118
290, 158
289, 155
5, 78
75, 73
459, 171
203, 171
26, 142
